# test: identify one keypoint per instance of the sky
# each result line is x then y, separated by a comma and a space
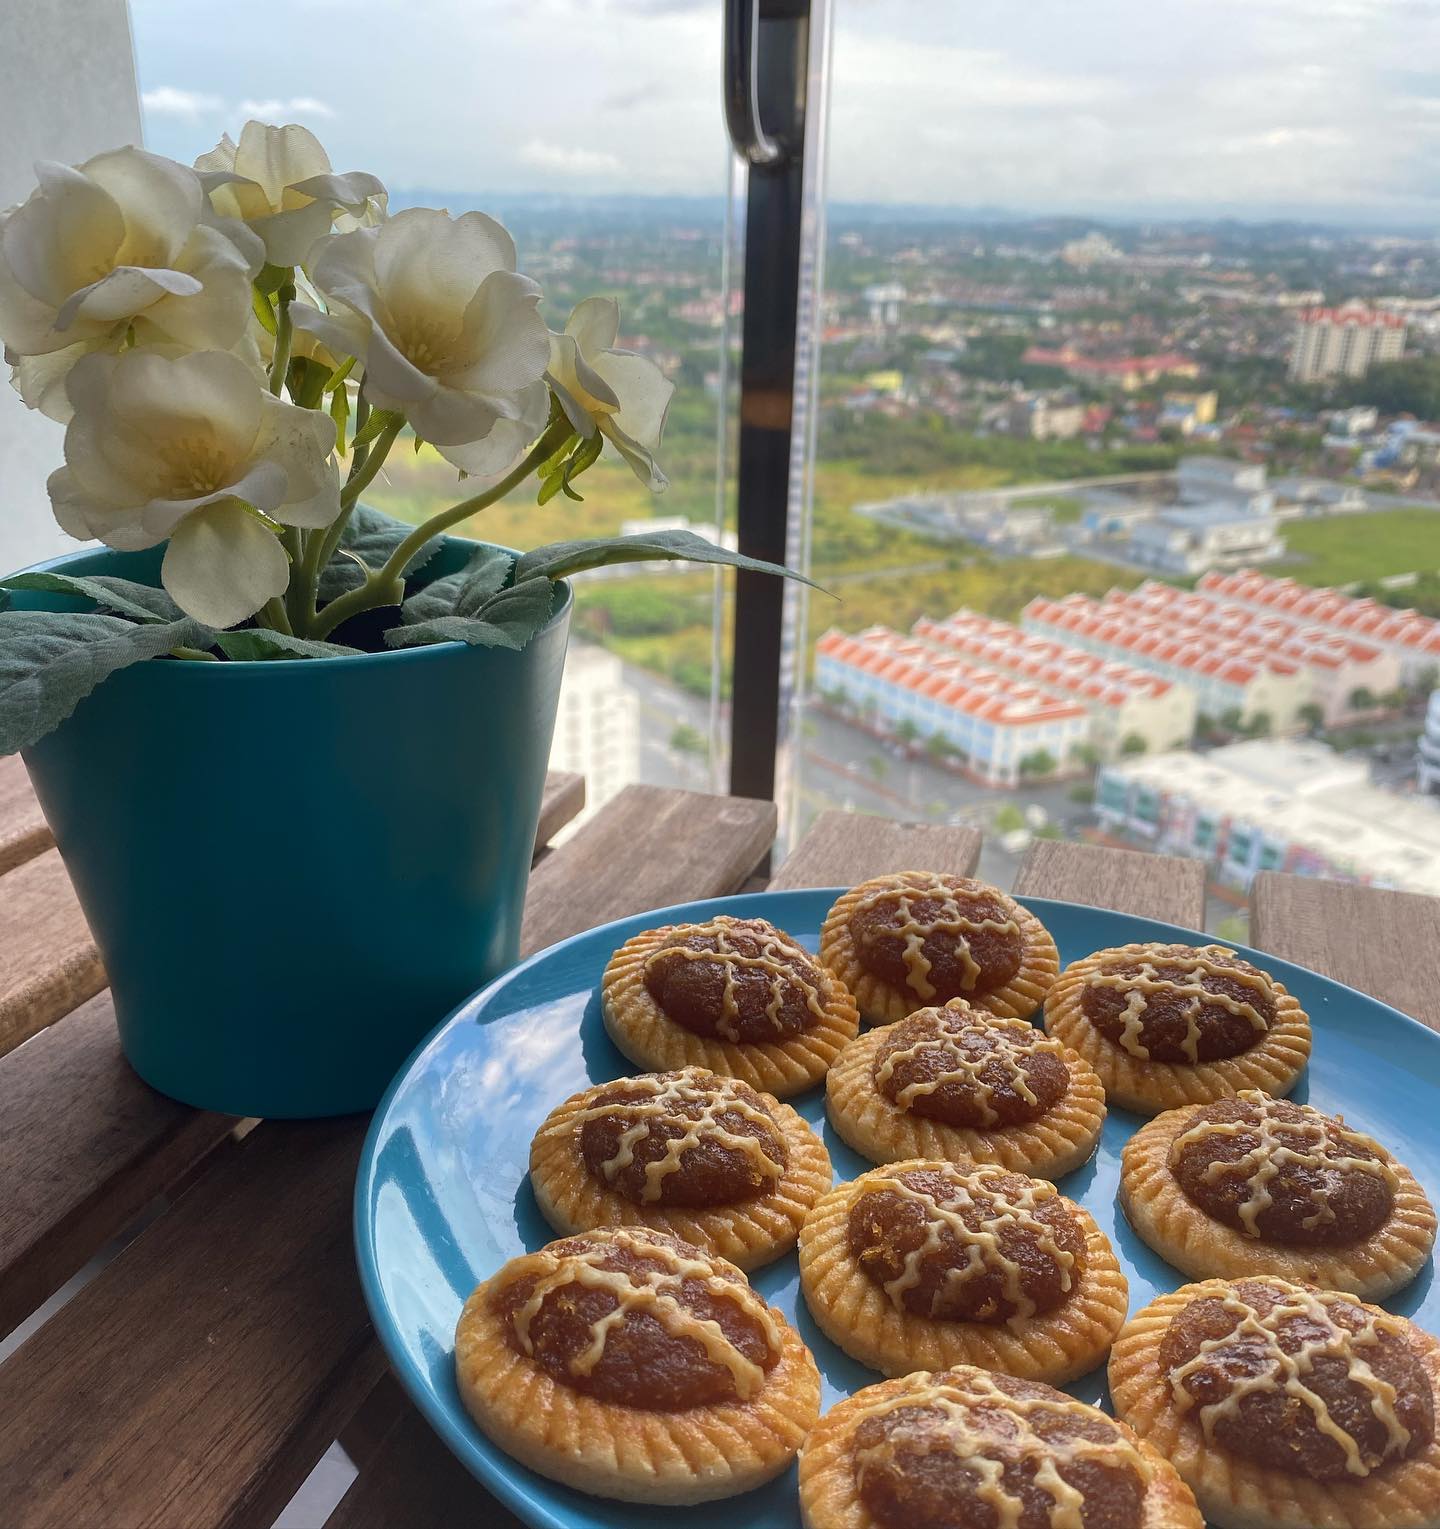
1252, 108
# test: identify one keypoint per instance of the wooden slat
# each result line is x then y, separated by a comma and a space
842, 848
1385, 943
1164, 887
85, 1146
563, 799
198, 1378
48, 962
23, 829
413, 1481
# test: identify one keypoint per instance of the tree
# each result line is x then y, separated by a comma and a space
907, 732
1260, 725
878, 766
1133, 743
1396, 699
1231, 719
1086, 754
1362, 699
1312, 714
1081, 792
1008, 818
686, 740
1428, 679
1049, 831
1039, 762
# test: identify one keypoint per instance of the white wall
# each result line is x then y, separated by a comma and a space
67, 91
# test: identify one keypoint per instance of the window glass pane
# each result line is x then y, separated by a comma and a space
593, 133
1126, 448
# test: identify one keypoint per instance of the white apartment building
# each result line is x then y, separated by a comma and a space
1234, 658
597, 728
1275, 806
1123, 702
1411, 639
1427, 765
895, 683
1345, 341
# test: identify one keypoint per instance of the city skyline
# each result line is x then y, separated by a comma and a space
1280, 110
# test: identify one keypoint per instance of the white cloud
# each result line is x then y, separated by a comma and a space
560, 160
168, 101
273, 109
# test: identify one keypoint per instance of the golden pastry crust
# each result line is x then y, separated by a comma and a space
872, 1324
647, 1035
631, 1452
749, 1231
1200, 1245
1137, 1082
830, 1494
1236, 1492
1053, 1144
882, 1001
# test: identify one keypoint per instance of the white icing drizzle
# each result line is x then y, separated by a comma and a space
923, 886
1000, 1210
1287, 1372
1197, 962
777, 952
655, 1291
668, 1102
1316, 1142
963, 1399
968, 1050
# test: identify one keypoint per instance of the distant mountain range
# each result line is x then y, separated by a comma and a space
632, 210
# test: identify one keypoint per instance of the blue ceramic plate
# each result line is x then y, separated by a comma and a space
442, 1198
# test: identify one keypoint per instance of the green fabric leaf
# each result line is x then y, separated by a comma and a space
459, 594
561, 559
379, 420
250, 644
141, 602
51, 660
508, 619
372, 537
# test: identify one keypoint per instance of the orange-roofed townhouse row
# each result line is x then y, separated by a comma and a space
907, 688
1124, 702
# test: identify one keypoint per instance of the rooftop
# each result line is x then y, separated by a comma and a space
1371, 834
1326, 607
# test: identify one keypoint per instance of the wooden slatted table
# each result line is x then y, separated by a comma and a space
197, 1379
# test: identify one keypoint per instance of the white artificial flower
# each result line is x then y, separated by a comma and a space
447, 332
617, 392
187, 446
122, 248
279, 181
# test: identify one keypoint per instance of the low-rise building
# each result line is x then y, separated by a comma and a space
1317, 496
1042, 417
1411, 639
907, 688
1189, 539
1129, 709
1241, 664
1275, 806
1203, 479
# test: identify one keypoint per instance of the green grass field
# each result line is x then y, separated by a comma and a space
1345, 548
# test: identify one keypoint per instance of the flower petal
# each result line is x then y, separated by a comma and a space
495, 454
62, 235
593, 324
350, 191
428, 262
222, 564
290, 236
300, 442
277, 157
640, 461
344, 331
122, 293
505, 345
644, 392
161, 202
40, 380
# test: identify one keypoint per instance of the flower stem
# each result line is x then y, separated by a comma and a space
284, 334
273, 612
380, 587
360, 479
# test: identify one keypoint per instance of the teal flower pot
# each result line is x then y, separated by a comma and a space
294, 870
